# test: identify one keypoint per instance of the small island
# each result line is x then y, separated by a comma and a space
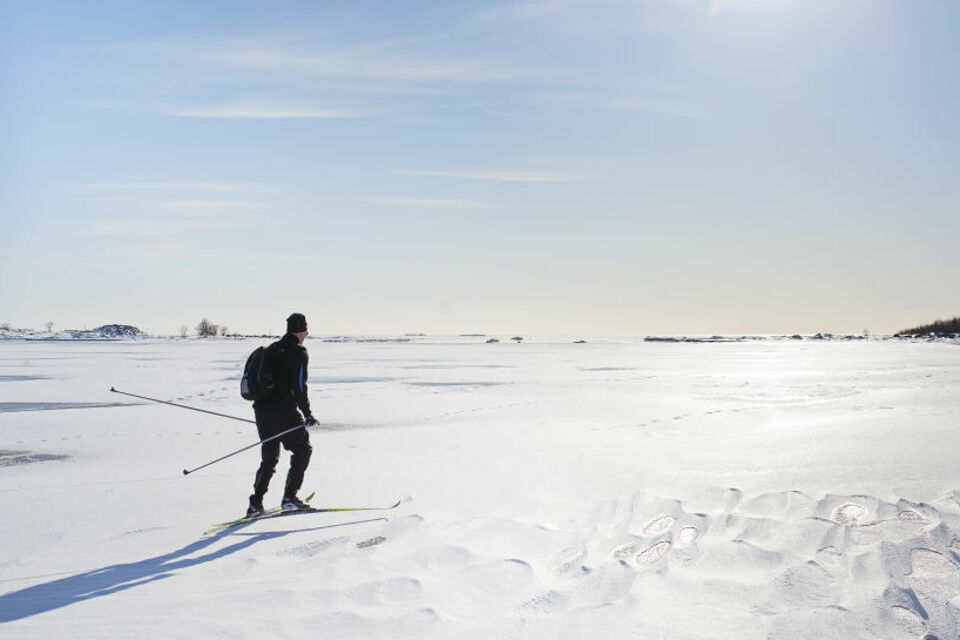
940, 328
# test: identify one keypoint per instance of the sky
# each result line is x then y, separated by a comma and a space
553, 167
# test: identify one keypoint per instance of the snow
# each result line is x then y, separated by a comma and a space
749, 489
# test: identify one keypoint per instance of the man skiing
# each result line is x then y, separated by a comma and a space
278, 412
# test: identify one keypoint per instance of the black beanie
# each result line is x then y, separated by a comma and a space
296, 323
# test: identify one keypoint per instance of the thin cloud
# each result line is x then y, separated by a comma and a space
603, 16
603, 102
144, 226
540, 8
206, 206
268, 112
431, 203
500, 175
385, 60
155, 226
107, 188
271, 78
308, 62
160, 213
176, 257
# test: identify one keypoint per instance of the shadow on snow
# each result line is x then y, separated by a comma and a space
48, 596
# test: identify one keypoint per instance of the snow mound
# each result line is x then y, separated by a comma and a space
117, 331
107, 331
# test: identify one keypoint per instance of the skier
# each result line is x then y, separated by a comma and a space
278, 412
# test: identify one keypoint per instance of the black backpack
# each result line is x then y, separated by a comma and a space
257, 382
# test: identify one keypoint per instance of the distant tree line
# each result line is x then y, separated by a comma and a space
940, 326
206, 328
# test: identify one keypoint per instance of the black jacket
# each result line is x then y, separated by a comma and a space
289, 362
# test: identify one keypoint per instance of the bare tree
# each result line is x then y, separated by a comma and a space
184, 331
223, 330
206, 328
49, 327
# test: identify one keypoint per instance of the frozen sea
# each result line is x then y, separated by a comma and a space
758, 489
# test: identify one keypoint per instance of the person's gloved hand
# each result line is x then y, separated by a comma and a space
310, 421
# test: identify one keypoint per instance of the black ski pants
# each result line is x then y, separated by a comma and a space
272, 420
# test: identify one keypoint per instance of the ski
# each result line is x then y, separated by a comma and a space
277, 512
271, 512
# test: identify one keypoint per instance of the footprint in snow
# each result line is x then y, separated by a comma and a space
911, 515
625, 551
659, 525
313, 548
687, 536
849, 514
372, 542
653, 553
569, 559
908, 620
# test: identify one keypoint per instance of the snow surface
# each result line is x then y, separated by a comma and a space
732, 490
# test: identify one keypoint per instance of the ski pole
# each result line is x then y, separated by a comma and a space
222, 415
182, 406
282, 433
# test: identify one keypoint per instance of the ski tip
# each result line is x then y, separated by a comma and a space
113, 389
